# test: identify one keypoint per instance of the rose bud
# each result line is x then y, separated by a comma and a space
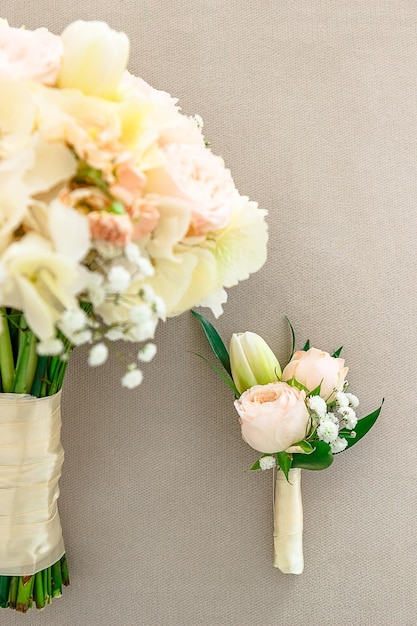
312, 367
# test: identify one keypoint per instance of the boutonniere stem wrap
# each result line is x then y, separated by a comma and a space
298, 417
288, 523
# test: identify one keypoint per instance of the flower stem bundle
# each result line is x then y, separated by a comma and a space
22, 371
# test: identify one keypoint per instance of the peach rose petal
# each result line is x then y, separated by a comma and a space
273, 417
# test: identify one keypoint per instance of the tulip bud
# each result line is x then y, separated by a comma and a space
252, 361
94, 60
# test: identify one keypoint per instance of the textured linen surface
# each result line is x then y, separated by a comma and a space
313, 105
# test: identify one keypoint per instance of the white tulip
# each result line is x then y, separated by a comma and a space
94, 60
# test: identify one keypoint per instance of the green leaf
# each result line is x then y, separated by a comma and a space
306, 446
229, 382
337, 352
284, 461
215, 341
307, 346
363, 426
292, 338
319, 459
316, 391
293, 382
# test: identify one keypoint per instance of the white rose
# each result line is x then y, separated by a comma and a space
40, 282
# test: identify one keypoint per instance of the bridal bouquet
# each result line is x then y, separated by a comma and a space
114, 214
299, 418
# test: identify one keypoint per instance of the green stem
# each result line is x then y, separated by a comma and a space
6, 354
38, 591
47, 586
14, 583
39, 376
24, 593
44, 389
55, 361
22, 365
53, 375
64, 571
56, 580
56, 382
4, 591
32, 363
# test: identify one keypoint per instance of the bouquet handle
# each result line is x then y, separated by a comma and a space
288, 523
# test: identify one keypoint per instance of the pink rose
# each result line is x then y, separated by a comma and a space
312, 367
134, 87
193, 173
128, 188
144, 217
30, 55
116, 229
273, 417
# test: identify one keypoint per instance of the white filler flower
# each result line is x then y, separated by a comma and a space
147, 353
118, 279
353, 400
267, 462
98, 354
342, 399
50, 347
338, 445
317, 405
327, 431
132, 378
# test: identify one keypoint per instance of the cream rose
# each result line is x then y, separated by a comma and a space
312, 367
273, 417
29, 55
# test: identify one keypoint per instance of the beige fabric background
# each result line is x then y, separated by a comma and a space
313, 105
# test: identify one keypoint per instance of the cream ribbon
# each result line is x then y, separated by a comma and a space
288, 523
31, 457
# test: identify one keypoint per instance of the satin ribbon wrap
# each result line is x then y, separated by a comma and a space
288, 523
31, 457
